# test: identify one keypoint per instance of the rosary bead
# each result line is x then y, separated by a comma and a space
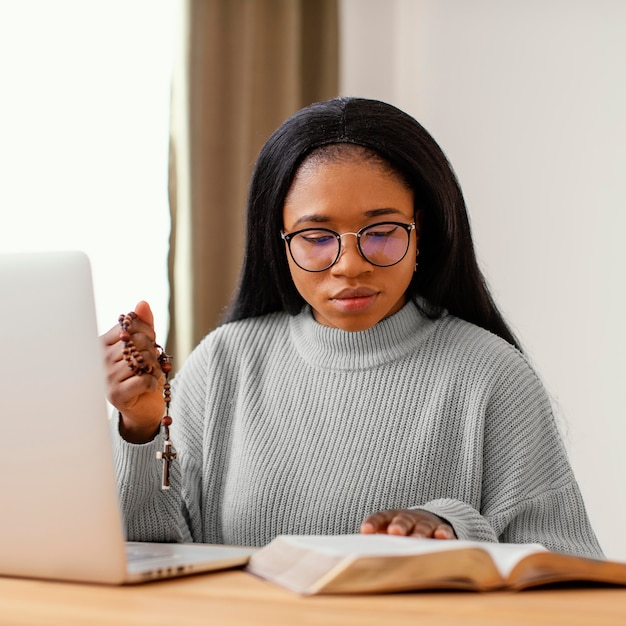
138, 367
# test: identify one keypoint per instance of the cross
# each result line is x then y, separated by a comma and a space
167, 455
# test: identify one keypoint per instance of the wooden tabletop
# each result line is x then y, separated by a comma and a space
237, 598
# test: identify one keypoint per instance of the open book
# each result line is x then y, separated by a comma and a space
312, 564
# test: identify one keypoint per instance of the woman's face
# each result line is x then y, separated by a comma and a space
345, 195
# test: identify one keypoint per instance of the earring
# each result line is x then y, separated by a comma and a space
417, 252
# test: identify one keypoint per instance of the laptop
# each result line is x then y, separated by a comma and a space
60, 518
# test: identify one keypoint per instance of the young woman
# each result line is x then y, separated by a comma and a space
363, 380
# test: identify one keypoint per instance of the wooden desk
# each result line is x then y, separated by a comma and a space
236, 598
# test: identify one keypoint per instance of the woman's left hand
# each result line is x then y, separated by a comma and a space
408, 523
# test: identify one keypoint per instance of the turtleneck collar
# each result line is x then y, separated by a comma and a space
332, 348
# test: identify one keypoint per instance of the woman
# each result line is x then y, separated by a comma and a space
363, 380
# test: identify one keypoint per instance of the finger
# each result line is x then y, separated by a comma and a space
112, 336
144, 312
128, 388
444, 531
144, 344
423, 529
146, 353
144, 323
119, 369
432, 528
377, 522
406, 523
139, 326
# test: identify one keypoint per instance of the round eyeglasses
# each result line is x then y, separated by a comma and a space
316, 249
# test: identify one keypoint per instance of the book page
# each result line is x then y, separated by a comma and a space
375, 545
507, 555
464, 569
550, 567
367, 563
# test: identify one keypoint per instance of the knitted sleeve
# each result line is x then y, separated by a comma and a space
148, 512
529, 493
173, 515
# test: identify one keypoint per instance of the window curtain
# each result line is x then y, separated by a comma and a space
242, 67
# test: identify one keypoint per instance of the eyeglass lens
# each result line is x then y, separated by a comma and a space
381, 244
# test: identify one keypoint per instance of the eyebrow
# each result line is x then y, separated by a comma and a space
321, 219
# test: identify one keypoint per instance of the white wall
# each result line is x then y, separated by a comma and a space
528, 100
84, 132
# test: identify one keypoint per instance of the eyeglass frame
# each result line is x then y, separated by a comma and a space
287, 237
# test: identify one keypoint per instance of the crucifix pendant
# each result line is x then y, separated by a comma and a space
167, 455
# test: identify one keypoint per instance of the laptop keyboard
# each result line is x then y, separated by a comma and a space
147, 551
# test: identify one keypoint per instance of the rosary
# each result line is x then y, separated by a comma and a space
137, 365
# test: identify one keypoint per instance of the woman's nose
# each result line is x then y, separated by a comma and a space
350, 262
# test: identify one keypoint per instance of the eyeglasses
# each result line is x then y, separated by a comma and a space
317, 249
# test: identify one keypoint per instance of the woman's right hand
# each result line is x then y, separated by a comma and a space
139, 399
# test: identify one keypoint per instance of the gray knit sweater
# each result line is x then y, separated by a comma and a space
285, 426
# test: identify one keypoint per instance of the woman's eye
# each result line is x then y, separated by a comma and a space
319, 239
385, 231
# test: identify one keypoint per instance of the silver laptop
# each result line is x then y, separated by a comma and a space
59, 516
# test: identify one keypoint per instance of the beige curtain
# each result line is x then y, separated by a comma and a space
243, 67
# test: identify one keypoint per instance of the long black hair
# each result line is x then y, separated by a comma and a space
448, 277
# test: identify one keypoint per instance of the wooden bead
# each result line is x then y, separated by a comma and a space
166, 421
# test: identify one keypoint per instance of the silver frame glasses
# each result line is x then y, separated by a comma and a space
288, 237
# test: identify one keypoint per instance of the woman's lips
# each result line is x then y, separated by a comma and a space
354, 300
